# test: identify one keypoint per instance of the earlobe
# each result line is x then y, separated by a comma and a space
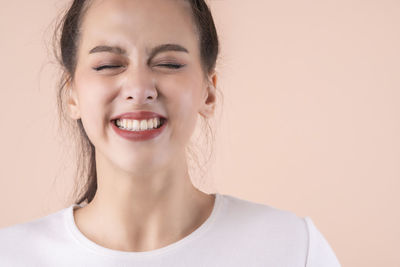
72, 102
209, 100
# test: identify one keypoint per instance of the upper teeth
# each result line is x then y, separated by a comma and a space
138, 125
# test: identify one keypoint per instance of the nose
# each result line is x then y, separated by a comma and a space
139, 86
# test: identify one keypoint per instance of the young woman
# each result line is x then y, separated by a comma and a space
138, 74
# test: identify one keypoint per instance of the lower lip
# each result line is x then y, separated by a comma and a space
138, 135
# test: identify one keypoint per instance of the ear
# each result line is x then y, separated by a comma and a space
209, 100
72, 101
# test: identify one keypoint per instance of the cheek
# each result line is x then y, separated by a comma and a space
93, 95
93, 91
181, 95
184, 89
183, 100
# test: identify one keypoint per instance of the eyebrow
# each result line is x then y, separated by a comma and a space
105, 48
153, 52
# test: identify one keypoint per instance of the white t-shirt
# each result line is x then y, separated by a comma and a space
237, 233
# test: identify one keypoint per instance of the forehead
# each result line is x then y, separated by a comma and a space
139, 22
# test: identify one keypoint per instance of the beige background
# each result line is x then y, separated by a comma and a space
310, 121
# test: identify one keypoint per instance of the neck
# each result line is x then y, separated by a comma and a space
142, 212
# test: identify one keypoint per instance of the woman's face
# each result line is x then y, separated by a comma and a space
122, 34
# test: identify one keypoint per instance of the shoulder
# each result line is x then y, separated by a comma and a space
46, 223
320, 253
267, 227
32, 235
262, 214
279, 230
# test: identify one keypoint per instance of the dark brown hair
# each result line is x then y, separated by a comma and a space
66, 38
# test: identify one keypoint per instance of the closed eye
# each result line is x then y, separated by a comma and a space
172, 66
107, 67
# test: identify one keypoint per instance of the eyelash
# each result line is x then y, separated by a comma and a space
171, 66
106, 67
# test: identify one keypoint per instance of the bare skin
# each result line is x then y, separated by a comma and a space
150, 226
145, 198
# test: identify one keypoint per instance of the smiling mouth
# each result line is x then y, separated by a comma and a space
139, 125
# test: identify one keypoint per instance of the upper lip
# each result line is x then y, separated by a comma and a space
138, 115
